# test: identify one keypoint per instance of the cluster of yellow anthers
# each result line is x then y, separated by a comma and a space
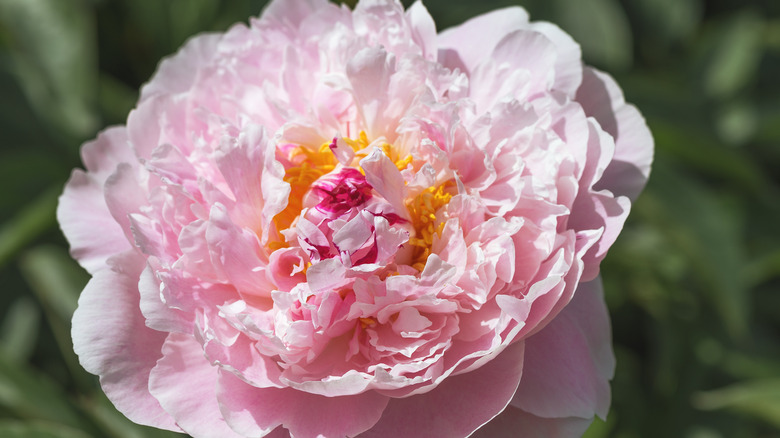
311, 164
422, 209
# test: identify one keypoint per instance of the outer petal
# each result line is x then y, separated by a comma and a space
185, 384
292, 12
177, 73
569, 363
253, 411
593, 210
602, 99
92, 232
513, 423
470, 42
112, 341
459, 405
110, 148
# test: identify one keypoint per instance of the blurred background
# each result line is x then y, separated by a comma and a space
693, 284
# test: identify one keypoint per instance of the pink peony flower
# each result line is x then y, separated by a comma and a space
341, 223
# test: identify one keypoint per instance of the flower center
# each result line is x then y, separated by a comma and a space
346, 190
306, 166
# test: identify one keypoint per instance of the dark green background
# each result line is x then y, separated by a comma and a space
693, 284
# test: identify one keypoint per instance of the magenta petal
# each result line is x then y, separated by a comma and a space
569, 363
513, 423
185, 384
254, 411
112, 341
459, 405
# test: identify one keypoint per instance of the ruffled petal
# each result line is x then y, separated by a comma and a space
254, 411
177, 73
602, 99
466, 45
569, 363
459, 405
92, 232
185, 382
111, 340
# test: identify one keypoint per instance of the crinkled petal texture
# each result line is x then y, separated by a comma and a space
338, 222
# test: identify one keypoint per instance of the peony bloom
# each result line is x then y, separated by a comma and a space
341, 223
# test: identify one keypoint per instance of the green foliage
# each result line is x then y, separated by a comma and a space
692, 284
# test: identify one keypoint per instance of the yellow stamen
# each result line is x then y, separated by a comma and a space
312, 164
422, 210
367, 322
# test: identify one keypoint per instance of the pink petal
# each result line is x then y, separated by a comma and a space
599, 210
124, 195
524, 49
254, 177
253, 411
369, 72
156, 313
384, 177
159, 119
601, 98
237, 252
177, 73
569, 363
112, 341
513, 423
92, 232
473, 41
459, 405
185, 384
423, 29
568, 63
292, 12
110, 148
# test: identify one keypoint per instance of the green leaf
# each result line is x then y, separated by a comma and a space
116, 99
57, 281
670, 20
700, 151
19, 331
37, 217
105, 415
33, 396
601, 28
757, 398
708, 232
735, 56
599, 428
52, 47
737, 122
19, 429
